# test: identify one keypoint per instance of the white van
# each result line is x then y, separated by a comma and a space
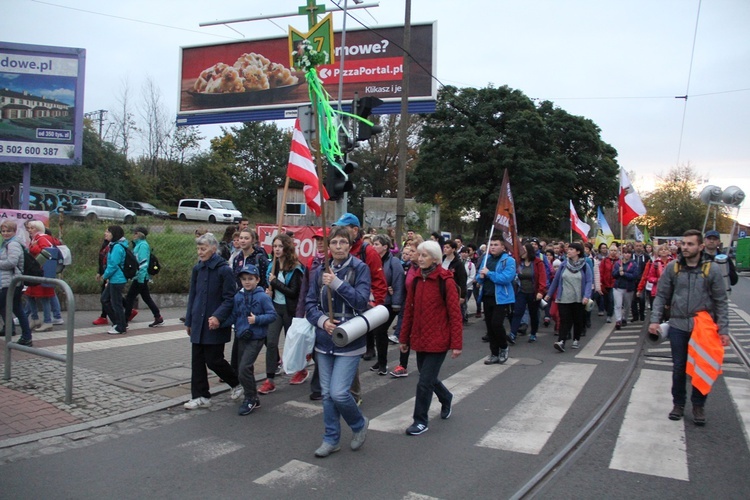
204, 210
228, 205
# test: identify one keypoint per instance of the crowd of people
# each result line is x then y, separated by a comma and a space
239, 294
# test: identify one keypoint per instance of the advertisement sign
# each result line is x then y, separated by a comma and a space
41, 104
255, 80
21, 216
303, 240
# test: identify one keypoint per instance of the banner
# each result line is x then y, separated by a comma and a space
630, 204
578, 225
604, 234
302, 168
21, 216
303, 239
41, 104
505, 216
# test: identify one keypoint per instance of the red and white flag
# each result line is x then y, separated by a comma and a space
630, 204
578, 225
302, 168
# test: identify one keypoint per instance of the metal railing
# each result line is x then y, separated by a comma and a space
66, 358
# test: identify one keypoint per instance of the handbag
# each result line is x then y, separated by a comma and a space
300, 340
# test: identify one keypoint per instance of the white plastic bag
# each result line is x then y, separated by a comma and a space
300, 340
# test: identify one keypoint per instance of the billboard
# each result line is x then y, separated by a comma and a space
41, 104
255, 80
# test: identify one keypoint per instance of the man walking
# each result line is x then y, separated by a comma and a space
496, 278
689, 285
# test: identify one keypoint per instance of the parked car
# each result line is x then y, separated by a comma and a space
93, 209
229, 205
143, 208
204, 210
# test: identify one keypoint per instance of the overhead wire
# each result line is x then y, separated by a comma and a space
687, 87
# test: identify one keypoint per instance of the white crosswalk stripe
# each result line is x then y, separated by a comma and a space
545, 406
648, 442
739, 389
209, 448
295, 473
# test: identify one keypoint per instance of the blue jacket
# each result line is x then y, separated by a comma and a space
115, 261
347, 300
629, 280
588, 278
142, 252
394, 277
260, 305
212, 288
503, 277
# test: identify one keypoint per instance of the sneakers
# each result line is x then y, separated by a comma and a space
512, 338
26, 342
532, 338
575, 344
504, 354
34, 323
100, 321
609, 319
522, 328
375, 367
44, 327
133, 314
546, 322
236, 393
368, 355
196, 403
446, 409
58, 321
267, 387
115, 331
315, 396
299, 377
247, 407
678, 411
279, 368
699, 416
399, 372
381, 371
157, 321
600, 313
393, 339
358, 439
618, 325
492, 360
326, 449
560, 345
416, 429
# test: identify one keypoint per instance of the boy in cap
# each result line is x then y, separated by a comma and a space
139, 285
252, 312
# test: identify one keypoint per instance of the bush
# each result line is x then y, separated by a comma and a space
175, 250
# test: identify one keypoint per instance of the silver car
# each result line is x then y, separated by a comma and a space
93, 209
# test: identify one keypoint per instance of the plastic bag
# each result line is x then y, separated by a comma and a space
300, 340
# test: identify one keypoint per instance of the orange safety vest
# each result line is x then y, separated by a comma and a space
705, 353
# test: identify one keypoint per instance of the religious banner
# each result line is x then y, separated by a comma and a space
21, 216
303, 239
505, 216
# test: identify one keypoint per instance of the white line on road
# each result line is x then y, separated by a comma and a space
529, 425
121, 341
460, 384
294, 473
648, 442
739, 389
596, 342
209, 448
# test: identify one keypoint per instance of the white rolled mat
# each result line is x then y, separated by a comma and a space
658, 338
353, 329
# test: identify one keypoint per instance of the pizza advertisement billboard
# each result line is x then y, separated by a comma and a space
219, 82
41, 104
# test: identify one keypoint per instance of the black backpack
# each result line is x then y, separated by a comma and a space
31, 266
153, 265
130, 265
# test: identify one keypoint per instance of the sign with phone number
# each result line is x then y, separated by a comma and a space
32, 150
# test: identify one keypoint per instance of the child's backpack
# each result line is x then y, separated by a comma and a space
153, 265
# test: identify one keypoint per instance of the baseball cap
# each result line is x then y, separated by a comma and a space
712, 234
318, 232
250, 269
348, 219
141, 229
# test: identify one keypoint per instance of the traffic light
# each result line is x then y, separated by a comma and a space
363, 107
336, 182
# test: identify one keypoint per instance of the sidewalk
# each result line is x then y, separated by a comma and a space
115, 377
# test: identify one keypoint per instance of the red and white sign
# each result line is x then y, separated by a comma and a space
303, 240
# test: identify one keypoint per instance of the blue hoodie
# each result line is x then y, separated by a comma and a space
257, 302
115, 261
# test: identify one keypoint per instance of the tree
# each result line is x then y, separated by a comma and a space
674, 206
121, 134
551, 157
157, 127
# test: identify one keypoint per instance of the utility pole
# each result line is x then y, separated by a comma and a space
403, 130
97, 115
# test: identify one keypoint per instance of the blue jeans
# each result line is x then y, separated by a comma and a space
678, 341
336, 377
428, 364
32, 308
525, 303
23, 319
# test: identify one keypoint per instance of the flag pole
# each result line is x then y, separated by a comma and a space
280, 218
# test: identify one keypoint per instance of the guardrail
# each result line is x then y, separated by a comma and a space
66, 358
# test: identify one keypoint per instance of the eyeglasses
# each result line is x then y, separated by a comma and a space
338, 243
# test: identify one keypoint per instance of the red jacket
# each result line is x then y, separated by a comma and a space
379, 287
36, 245
605, 272
431, 324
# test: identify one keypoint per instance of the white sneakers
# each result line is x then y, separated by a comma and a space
237, 392
44, 327
196, 403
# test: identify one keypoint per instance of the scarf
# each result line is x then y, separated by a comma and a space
426, 272
576, 266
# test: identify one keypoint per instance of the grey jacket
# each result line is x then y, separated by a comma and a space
11, 261
689, 292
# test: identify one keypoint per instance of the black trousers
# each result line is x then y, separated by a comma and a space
572, 316
134, 291
209, 356
494, 319
381, 338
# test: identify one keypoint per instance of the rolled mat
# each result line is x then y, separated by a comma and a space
348, 332
661, 336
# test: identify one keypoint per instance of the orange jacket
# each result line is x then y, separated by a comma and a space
705, 353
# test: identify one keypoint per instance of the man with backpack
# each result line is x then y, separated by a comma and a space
690, 285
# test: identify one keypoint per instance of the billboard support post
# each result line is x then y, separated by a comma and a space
26, 193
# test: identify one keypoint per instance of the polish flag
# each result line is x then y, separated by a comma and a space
302, 168
630, 204
578, 225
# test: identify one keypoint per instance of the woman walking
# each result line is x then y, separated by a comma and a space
114, 280
432, 326
625, 274
394, 299
139, 286
39, 241
532, 286
11, 265
573, 286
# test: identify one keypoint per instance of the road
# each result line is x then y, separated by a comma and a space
508, 422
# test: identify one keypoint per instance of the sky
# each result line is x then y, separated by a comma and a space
619, 63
